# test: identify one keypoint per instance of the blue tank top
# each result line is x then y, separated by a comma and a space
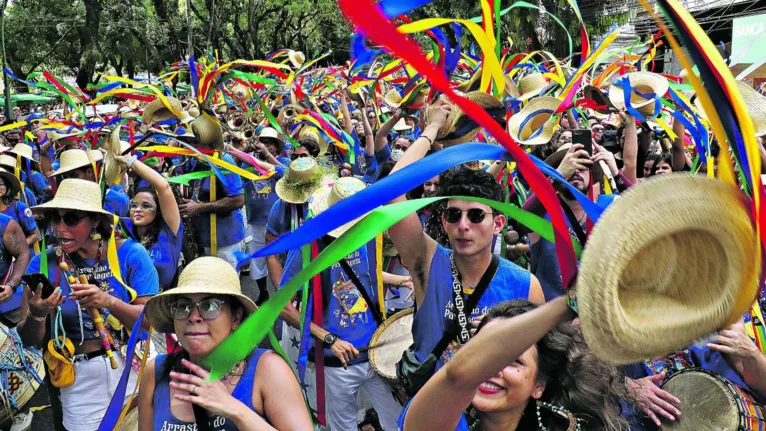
438, 308
5, 265
163, 417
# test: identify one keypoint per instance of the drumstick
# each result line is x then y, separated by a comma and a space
94, 315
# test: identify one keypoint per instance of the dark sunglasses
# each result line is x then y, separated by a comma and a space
71, 218
209, 308
475, 215
299, 156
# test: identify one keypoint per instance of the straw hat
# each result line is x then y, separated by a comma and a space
303, 177
208, 275
536, 116
271, 133
511, 89
640, 82
207, 130
156, 111
598, 96
24, 151
460, 128
674, 259
95, 156
296, 58
287, 114
56, 136
7, 160
756, 106
555, 159
401, 125
71, 160
311, 133
414, 98
531, 86
11, 182
359, 96
332, 194
75, 194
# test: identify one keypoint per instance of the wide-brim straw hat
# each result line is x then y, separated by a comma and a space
204, 275
534, 124
531, 85
156, 111
56, 136
208, 132
8, 161
296, 58
676, 258
640, 82
414, 98
71, 160
77, 195
271, 133
460, 128
597, 95
555, 159
402, 125
11, 182
756, 107
302, 179
95, 156
359, 96
332, 194
24, 151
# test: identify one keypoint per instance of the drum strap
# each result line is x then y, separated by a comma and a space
461, 325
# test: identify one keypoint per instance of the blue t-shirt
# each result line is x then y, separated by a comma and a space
163, 416
345, 312
438, 308
461, 426
229, 225
23, 216
5, 265
699, 356
37, 183
117, 202
280, 217
260, 197
136, 269
165, 252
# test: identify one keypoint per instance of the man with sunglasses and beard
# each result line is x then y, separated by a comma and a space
445, 280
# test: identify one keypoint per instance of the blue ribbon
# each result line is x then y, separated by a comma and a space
593, 210
116, 404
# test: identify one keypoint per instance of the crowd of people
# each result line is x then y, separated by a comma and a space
151, 218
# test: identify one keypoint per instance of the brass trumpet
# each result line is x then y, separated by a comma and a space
236, 121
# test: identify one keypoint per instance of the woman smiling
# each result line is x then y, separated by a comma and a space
260, 393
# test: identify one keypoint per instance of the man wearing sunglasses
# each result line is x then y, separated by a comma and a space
439, 274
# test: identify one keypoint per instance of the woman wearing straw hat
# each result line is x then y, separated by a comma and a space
156, 220
8, 163
258, 393
19, 211
27, 164
545, 378
120, 278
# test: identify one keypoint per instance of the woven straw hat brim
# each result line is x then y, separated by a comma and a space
75, 194
671, 261
545, 103
511, 89
208, 132
657, 83
291, 195
23, 150
486, 101
320, 202
204, 275
156, 111
71, 163
537, 82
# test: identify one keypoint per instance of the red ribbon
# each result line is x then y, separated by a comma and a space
318, 344
377, 28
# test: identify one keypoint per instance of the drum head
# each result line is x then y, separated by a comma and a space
394, 337
707, 403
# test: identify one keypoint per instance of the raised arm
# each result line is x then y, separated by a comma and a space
679, 155
369, 146
630, 147
168, 205
344, 111
381, 137
453, 387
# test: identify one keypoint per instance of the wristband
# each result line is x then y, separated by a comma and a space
430, 142
131, 160
37, 319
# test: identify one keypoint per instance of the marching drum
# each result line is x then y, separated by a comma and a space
21, 372
388, 343
710, 402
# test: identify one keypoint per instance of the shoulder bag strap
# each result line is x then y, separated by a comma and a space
573, 222
451, 332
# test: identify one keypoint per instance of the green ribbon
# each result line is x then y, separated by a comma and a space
237, 346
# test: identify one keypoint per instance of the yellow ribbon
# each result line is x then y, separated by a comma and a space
213, 218
379, 271
218, 162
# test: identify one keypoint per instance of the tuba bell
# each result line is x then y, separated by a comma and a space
288, 113
236, 121
248, 132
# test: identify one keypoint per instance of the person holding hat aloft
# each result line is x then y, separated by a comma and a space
77, 164
542, 377
155, 220
350, 318
19, 211
260, 392
85, 238
435, 270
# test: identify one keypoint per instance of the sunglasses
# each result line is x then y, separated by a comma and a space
475, 215
299, 156
70, 219
209, 308
145, 206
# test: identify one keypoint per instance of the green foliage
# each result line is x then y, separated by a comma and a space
127, 37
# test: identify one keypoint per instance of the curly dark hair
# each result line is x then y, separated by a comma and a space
153, 231
574, 378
